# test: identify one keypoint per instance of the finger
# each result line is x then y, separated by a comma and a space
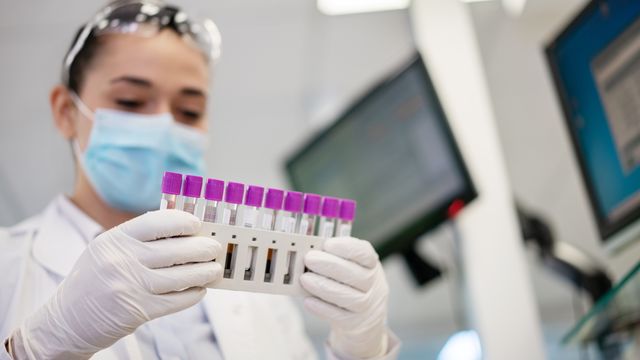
324, 310
339, 269
335, 293
352, 249
180, 277
176, 301
176, 251
161, 224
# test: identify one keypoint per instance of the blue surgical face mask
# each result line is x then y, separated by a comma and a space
128, 153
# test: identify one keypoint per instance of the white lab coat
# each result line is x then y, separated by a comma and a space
37, 254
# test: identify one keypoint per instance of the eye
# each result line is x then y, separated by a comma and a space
190, 115
129, 104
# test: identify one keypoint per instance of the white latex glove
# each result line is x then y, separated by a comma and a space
349, 290
125, 277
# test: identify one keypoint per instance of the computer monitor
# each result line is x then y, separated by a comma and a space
595, 63
393, 152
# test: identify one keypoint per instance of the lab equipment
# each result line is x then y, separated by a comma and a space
292, 211
310, 213
147, 18
345, 219
191, 191
136, 262
232, 198
595, 62
393, 152
272, 207
329, 212
271, 259
171, 185
351, 295
251, 210
252, 205
213, 194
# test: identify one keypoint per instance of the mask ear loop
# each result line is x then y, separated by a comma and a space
87, 113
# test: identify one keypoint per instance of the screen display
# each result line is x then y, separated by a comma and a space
392, 152
597, 68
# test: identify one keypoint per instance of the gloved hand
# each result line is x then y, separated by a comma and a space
125, 277
349, 290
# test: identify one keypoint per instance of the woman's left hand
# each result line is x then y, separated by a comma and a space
349, 290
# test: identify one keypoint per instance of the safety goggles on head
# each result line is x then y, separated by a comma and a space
148, 18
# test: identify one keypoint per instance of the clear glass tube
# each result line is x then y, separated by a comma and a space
344, 228
250, 216
307, 225
289, 221
230, 214
327, 227
269, 219
168, 201
189, 204
211, 211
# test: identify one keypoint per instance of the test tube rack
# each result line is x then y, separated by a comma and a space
280, 275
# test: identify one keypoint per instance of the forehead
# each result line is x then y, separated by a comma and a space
165, 59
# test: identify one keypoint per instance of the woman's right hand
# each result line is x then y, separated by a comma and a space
145, 268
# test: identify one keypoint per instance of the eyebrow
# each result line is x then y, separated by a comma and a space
193, 92
133, 80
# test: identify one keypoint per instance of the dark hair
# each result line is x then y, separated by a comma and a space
75, 76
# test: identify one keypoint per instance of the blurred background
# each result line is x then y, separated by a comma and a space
287, 71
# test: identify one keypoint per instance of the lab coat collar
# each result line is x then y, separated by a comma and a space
63, 234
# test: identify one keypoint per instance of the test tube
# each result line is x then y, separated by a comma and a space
310, 212
191, 190
272, 206
171, 184
250, 211
292, 209
329, 212
252, 205
232, 198
213, 194
347, 214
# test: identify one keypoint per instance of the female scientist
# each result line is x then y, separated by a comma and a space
132, 104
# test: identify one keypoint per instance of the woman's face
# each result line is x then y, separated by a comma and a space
145, 75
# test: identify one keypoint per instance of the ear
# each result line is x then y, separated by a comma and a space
64, 111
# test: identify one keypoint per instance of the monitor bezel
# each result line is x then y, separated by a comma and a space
608, 230
405, 237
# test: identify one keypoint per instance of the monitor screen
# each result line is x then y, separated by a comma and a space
393, 152
596, 67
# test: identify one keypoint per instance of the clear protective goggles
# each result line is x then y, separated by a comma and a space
147, 18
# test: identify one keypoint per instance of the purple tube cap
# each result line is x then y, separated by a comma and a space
214, 190
347, 210
254, 196
293, 202
192, 186
274, 199
330, 207
235, 192
171, 183
312, 204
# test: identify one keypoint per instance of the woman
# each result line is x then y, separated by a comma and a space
133, 104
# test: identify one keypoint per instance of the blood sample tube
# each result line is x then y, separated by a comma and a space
310, 212
345, 219
272, 206
213, 194
252, 204
329, 212
191, 190
292, 210
232, 198
171, 185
